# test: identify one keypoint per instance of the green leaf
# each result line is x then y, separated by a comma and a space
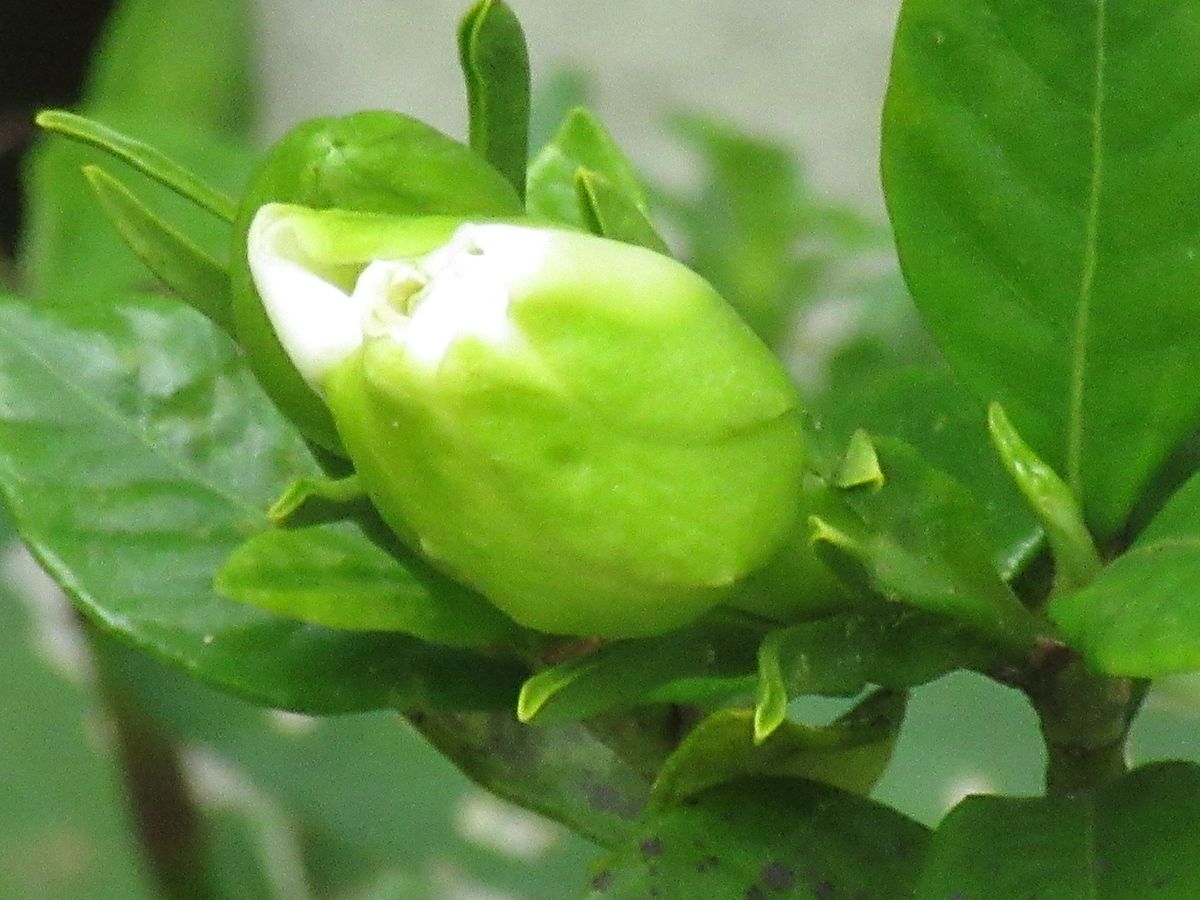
1132, 838
582, 142
843, 654
141, 156
1076, 560
849, 754
197, 278
556, 95
612, 214
137, 453
495, 64
317, 500
705, 662
1141, 616
1034, 161
928, 409
920, 543
760, 837
333, 575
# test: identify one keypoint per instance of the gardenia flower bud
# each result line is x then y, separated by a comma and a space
582, 430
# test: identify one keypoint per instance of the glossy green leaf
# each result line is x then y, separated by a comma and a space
920, 543
689, 665
928, 409
333, 575
143, 157
137, 454
757, 838
1141, 616
581, 143
495, 64
841, 655
197, 278
1039, 166
851, 753
612, 214
1133, 838
1076, 560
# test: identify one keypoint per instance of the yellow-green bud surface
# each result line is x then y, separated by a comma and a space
582, 430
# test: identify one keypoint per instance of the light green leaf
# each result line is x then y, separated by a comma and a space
137, 453
582, 142
1133, 838
1141, 616
1039, 166
316, 500
495, 64
197, 278
766, 836
333, 575
849, 754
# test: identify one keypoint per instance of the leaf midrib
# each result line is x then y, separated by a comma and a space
1087, 277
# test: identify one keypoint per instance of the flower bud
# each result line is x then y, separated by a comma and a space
376, 161
582, 430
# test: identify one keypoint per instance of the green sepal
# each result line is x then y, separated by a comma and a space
495, 64
142, 157
197, 278
610, 213
1077, 562
317, 499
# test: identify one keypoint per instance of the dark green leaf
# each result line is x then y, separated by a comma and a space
495, 64
1141, 616
920, 543
1039, 164
1133, 838
197, 278
760, 837
137, 454
333, 575
582, 142
841, 655
612, 214
928, 409
849, 754
692, 665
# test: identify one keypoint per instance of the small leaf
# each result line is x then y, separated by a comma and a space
495, 64
689, 665
920, 543
841, 655
612, 214
860, 465
196, 277
1134, 837
759, 837
333, 575
850, 754
142, 157
1075, 556
1141, 616
582, 142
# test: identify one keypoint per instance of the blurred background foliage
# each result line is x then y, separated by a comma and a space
124, 779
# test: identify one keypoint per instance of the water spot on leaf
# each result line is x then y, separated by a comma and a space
824, 890
602, 881
754, 892
709, 862
778, 877
651, 847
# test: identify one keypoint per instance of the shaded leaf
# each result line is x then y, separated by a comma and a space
1039, 166
1141, 616
333, 575
137, 453
495, 64
850, 753
1131, 838
759, 837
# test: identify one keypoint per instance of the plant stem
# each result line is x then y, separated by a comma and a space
1085, 720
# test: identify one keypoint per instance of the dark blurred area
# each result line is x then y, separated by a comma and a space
44, 49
